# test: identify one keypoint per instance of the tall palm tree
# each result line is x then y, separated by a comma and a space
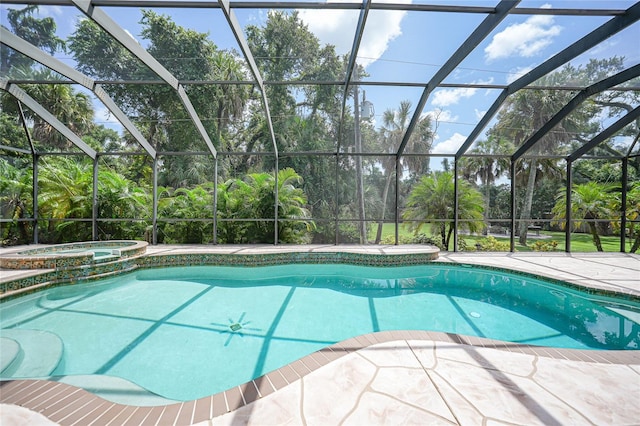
528, 110
590, 203
487, 168
395, 123
431, 202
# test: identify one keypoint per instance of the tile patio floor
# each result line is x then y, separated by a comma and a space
399, 377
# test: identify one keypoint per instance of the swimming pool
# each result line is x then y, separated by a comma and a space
184, 333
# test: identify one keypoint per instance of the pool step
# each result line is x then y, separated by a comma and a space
39, 352
9, 354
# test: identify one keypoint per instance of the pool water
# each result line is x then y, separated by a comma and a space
184, 333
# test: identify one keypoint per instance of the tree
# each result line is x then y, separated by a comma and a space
66, 187
394, 127
487, 168
40, 32
71, 107
590, 203
431, 202
254, 198
157, 109
527, 110
184, 203
15, 201
120, 198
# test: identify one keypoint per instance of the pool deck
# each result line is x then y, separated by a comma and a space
404, 377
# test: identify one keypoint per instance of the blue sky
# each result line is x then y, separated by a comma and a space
410, 46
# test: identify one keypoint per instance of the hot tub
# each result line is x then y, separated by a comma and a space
72, 255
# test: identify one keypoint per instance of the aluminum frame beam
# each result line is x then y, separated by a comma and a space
474, 39
606, 30
605, 134
20, 45
352, 64
270, 4
23, 97
121, 36
234, 24
576, 101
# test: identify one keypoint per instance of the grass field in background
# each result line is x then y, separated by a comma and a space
579, 242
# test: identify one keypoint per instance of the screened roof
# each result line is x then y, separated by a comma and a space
457, 62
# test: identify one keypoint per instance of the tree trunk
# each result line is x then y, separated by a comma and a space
594, 233
385, 194
486, 213
528, 201
449, 232
636, 243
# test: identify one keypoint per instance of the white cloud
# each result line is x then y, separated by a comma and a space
442, 116
451, 145
525, 39
337, 27
447, 97
516, 73
479, 114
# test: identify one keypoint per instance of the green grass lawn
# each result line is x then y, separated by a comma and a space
579, 242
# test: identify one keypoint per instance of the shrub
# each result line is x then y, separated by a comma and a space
544, 245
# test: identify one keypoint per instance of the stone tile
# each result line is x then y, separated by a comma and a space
603, 393
494, 359
280, 408
464, 412
506, 397
424, 350
411, 387
332, 392
390, 354
377, 409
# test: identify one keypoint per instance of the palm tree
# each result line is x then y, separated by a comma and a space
254, 198
119, 198
188, 204
431, 202
633, 214
528, 110
590, 202
395, 124
15, 202
487, 168
72, 108
65, 192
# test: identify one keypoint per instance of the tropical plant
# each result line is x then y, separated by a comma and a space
65, 192
487, 167
194, 206
246, 208
431, 202
15, 202
120, 198
395, 123
591, 203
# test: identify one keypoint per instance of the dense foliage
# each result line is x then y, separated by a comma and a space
334, 194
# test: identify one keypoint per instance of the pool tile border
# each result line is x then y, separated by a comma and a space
69, 405
22, 285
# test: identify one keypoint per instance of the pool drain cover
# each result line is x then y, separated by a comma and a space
235, 327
